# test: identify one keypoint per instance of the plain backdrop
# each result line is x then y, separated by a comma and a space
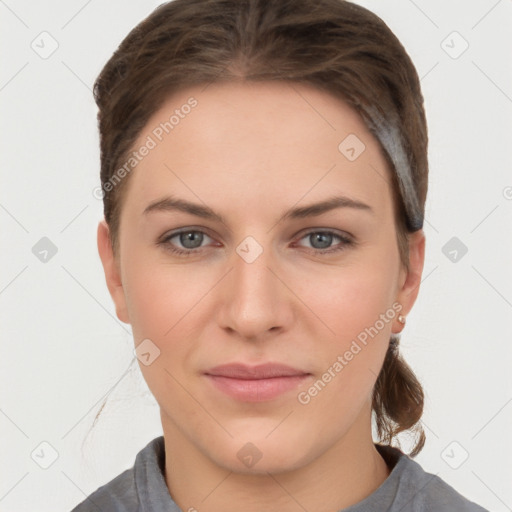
63, 349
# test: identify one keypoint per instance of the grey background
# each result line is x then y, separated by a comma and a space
63, 349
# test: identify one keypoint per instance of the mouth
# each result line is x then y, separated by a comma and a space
255, 383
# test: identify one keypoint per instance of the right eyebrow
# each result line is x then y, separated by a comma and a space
172, 204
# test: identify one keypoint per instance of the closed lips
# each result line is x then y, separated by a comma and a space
263, 371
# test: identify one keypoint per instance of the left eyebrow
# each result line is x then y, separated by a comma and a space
332, 203
311, 210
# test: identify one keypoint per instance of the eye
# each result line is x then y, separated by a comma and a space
321, 241
190, 239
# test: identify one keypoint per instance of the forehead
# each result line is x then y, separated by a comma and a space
258, 141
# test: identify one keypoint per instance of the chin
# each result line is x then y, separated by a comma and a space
260, 455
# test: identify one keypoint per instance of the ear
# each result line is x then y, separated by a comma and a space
112, 272
409, 285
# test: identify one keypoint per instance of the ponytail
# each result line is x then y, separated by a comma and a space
398, 399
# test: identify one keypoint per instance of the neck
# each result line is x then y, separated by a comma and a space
343, 475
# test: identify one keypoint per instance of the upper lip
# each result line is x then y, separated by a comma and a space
261, 371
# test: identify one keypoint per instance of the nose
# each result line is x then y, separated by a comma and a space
254, 300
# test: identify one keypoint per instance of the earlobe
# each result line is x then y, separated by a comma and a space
112, 271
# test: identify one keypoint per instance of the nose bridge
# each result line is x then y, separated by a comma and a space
251, 277
253, 302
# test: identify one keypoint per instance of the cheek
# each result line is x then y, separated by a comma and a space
358, 309
164, 302
340, 305
160, 302
356, 304
160, 295
349, 299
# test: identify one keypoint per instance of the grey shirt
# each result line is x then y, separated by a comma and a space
408, 488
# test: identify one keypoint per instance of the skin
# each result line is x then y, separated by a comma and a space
251, 151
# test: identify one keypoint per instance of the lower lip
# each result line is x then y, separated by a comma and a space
254, 390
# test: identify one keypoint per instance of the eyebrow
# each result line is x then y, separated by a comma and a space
170, 203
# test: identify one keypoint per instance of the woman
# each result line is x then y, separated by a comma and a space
264, 171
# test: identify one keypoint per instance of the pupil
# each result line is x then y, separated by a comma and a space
186, 238
327, 239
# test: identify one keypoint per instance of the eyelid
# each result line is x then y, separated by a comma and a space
346, 240
187, 229
171, 234
337, 232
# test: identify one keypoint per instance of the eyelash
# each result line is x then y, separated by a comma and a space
346, 242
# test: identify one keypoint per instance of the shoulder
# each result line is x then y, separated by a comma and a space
421, 491
118, 495
440, 496
125, 492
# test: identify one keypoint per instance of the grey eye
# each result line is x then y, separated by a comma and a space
191, 239
320, 240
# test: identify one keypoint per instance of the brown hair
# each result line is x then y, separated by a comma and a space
333, 45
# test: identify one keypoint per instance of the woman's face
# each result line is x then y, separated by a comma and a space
267, 272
